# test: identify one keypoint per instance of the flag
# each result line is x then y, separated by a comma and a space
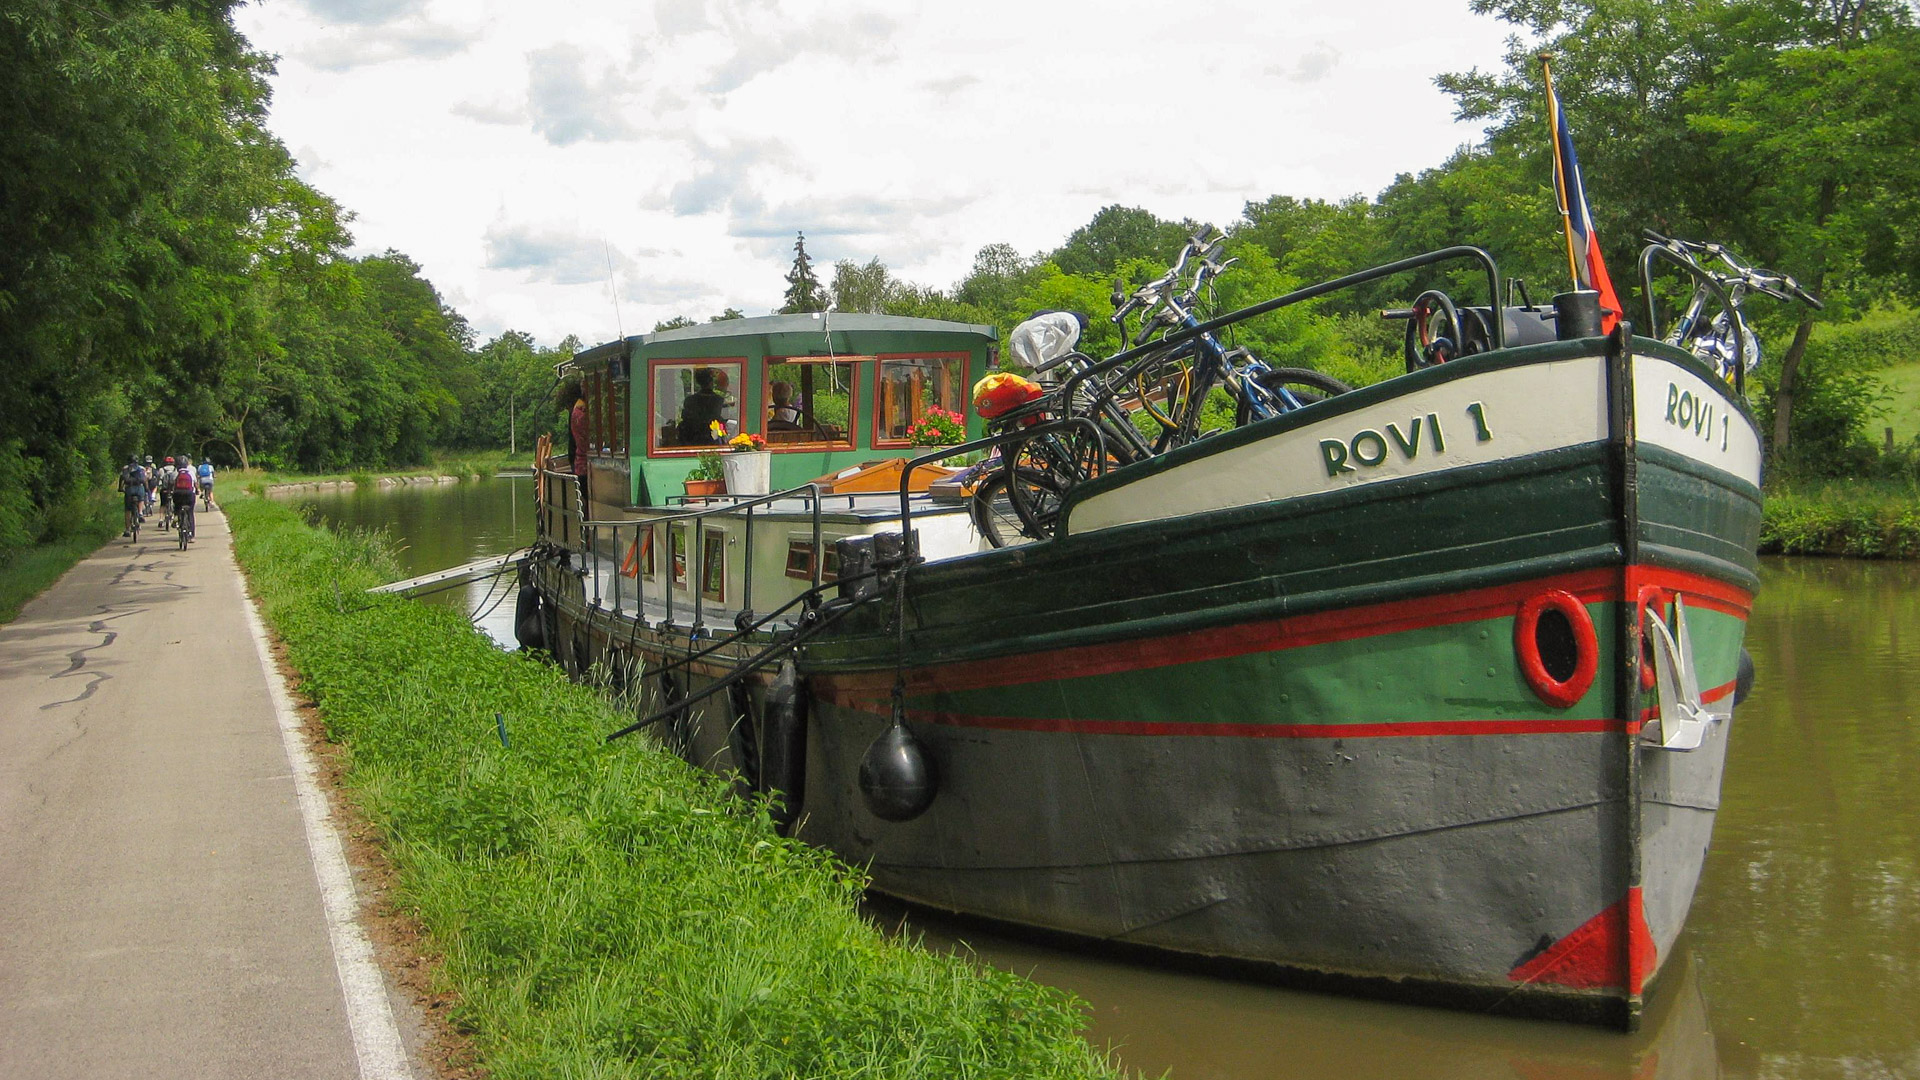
1583, 246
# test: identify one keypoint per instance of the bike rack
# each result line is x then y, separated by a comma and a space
1703, 276
1311, 292
990, 442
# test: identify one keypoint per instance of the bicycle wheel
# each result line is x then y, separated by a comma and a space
994, 511
186, 534
1037, 497
1305, 384
136, 528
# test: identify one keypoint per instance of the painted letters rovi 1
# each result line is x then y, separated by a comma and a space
1369, 447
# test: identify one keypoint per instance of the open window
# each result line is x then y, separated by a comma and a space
810, 403
688, 397
909, 385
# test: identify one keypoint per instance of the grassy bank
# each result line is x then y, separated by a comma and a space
1861, 518
27, 571
608, 911
462, 464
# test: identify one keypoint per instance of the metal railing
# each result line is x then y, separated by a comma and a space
592, 531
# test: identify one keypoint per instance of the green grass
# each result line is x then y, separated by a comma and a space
1903, 407
607, 910
1862, 518
27, 572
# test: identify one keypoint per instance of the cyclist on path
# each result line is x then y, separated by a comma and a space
206, 480
133, 489
183, 486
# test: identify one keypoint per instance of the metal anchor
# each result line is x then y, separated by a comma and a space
1684, 718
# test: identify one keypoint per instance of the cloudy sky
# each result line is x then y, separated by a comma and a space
518, 150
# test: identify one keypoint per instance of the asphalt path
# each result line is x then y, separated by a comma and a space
162, 907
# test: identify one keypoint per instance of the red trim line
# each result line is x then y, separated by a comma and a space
1346, 624
1724, 689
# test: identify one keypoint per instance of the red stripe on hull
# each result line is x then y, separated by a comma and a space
1589, 586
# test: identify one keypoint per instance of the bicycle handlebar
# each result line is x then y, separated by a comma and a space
1777, 285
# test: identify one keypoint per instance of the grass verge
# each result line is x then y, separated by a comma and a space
609, 911
27, 572
1861, 518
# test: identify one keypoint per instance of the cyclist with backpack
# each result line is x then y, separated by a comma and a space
167, 473
133, 490
153, 480
183, 491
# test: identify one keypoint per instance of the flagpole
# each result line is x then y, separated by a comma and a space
1559, 168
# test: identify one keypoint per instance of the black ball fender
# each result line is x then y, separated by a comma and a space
1743, 681
529, 627
896, 776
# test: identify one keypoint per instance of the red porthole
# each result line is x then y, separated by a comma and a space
1558, 650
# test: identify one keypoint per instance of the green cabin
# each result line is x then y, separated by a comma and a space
827, 390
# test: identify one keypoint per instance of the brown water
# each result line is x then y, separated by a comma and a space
1802, 955
439, 526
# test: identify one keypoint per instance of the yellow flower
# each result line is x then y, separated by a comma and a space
719, 429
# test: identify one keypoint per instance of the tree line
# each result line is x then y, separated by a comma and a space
168, 284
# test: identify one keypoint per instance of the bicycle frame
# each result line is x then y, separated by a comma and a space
1705, 282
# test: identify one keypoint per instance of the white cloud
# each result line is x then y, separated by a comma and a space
498, 143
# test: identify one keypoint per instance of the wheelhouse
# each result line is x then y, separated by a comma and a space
827, 391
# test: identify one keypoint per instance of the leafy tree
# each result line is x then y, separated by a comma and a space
727, 315
678, 322
863, 288
1118, 233
803, 287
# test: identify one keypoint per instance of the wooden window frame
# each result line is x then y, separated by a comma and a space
851, 442
714, 567
738, 377
881, 441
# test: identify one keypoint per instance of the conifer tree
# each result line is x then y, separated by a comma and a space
803, 288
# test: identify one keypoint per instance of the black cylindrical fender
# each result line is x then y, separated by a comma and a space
1743, 680
783, 745
529, 626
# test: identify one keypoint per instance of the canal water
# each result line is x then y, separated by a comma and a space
1802, 955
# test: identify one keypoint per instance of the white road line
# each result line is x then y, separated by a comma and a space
376, 1038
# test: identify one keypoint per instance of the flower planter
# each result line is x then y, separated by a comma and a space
706, 487
749, 472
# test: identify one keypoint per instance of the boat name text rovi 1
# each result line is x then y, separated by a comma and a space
1370, 448
1695, 414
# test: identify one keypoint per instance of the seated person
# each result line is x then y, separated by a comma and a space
702, 407
783, 414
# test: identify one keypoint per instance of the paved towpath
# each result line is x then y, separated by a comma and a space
166, 910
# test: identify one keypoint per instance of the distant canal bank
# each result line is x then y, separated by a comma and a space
1798, 960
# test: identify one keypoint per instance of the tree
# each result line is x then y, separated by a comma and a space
860, 288
727, 315
678, 322
1118, 233
1783, 127
803, 288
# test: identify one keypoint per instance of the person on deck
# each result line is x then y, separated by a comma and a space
701, 409
783, 414
577, 435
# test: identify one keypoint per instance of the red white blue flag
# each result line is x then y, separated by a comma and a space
1583, 245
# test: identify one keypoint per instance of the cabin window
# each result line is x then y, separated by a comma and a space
677, 557
800, 561
810, 403
713, 565
909, 385
688, 397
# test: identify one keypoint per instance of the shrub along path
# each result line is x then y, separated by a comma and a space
608, 911
159, 913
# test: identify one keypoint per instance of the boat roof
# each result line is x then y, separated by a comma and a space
770, 326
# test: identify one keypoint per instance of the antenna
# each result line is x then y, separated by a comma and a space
618, 325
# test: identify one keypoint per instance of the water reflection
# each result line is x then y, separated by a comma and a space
437, 526
1197, 1027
